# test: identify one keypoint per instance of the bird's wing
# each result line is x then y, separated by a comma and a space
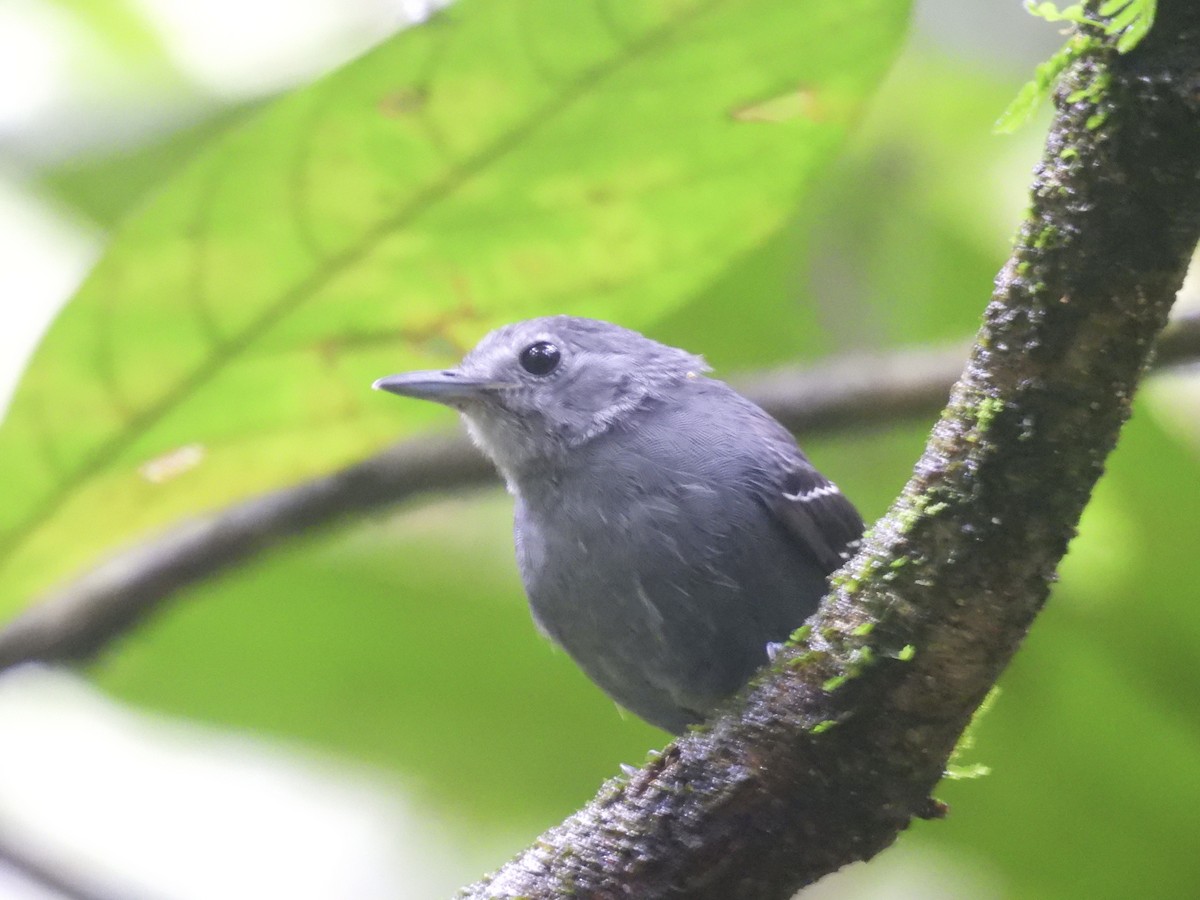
821, 522
816, 513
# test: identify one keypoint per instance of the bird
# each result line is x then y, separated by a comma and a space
668, 531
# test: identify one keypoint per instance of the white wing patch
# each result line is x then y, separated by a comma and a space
824, 490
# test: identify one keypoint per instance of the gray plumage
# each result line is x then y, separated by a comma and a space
667, 529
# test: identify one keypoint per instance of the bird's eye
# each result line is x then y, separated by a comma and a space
540, 358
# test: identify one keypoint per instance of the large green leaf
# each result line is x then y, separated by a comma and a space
507, 159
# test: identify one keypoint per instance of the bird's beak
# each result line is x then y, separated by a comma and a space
448, 386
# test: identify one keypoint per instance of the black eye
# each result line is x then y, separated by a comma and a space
540, 358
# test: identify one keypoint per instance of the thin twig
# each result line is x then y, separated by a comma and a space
879, 390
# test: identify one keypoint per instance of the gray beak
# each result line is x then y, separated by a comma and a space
447, 386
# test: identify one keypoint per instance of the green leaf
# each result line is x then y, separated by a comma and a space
507, 159
1128, 20
1045, 76
1132, 20
1098, 709
1051, 13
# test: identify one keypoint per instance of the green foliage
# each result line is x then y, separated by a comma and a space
1051, 13
1033, 93
1128, 21
1098, 710
376, 642
928, 223
503, 161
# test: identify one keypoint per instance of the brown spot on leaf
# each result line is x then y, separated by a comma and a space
435, 334
403, 102
801, 103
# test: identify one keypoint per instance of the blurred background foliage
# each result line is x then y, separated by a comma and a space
397, 649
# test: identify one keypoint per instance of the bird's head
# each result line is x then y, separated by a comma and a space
531, 391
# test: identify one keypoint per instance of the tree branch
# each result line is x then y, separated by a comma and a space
879, 390
828, 756
81, 619
84, 617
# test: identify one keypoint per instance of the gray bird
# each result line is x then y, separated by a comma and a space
667, 529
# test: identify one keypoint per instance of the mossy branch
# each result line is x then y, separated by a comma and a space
829, 755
